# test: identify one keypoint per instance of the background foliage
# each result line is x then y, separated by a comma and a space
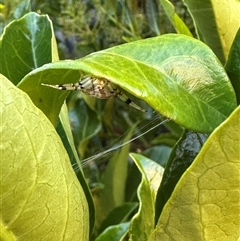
83, 27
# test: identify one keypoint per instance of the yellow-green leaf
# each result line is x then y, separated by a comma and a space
176, 21
205, 202
143, 222
41, 198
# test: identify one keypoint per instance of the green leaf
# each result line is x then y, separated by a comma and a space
47, 99
176, 21
186, 84
142, 224
119, 215
13, 10
182, 156
114, 233
167, 139
152, 15
114, 181
159, 154
205, 202
19, 8
65, 133
85, 123
217, 22
24, 46
41, 198
233, 67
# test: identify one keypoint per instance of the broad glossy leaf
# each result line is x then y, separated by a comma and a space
182, 156
142, 224
205, 202
47, 99
41, 198
176, 21
233, 67
178, 76
33, 49
217, 22
25, 46
183, 69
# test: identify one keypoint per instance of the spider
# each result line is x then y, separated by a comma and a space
97, 87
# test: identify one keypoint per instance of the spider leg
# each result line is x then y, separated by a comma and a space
82, 84
71, 86
120, 95
86, 82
